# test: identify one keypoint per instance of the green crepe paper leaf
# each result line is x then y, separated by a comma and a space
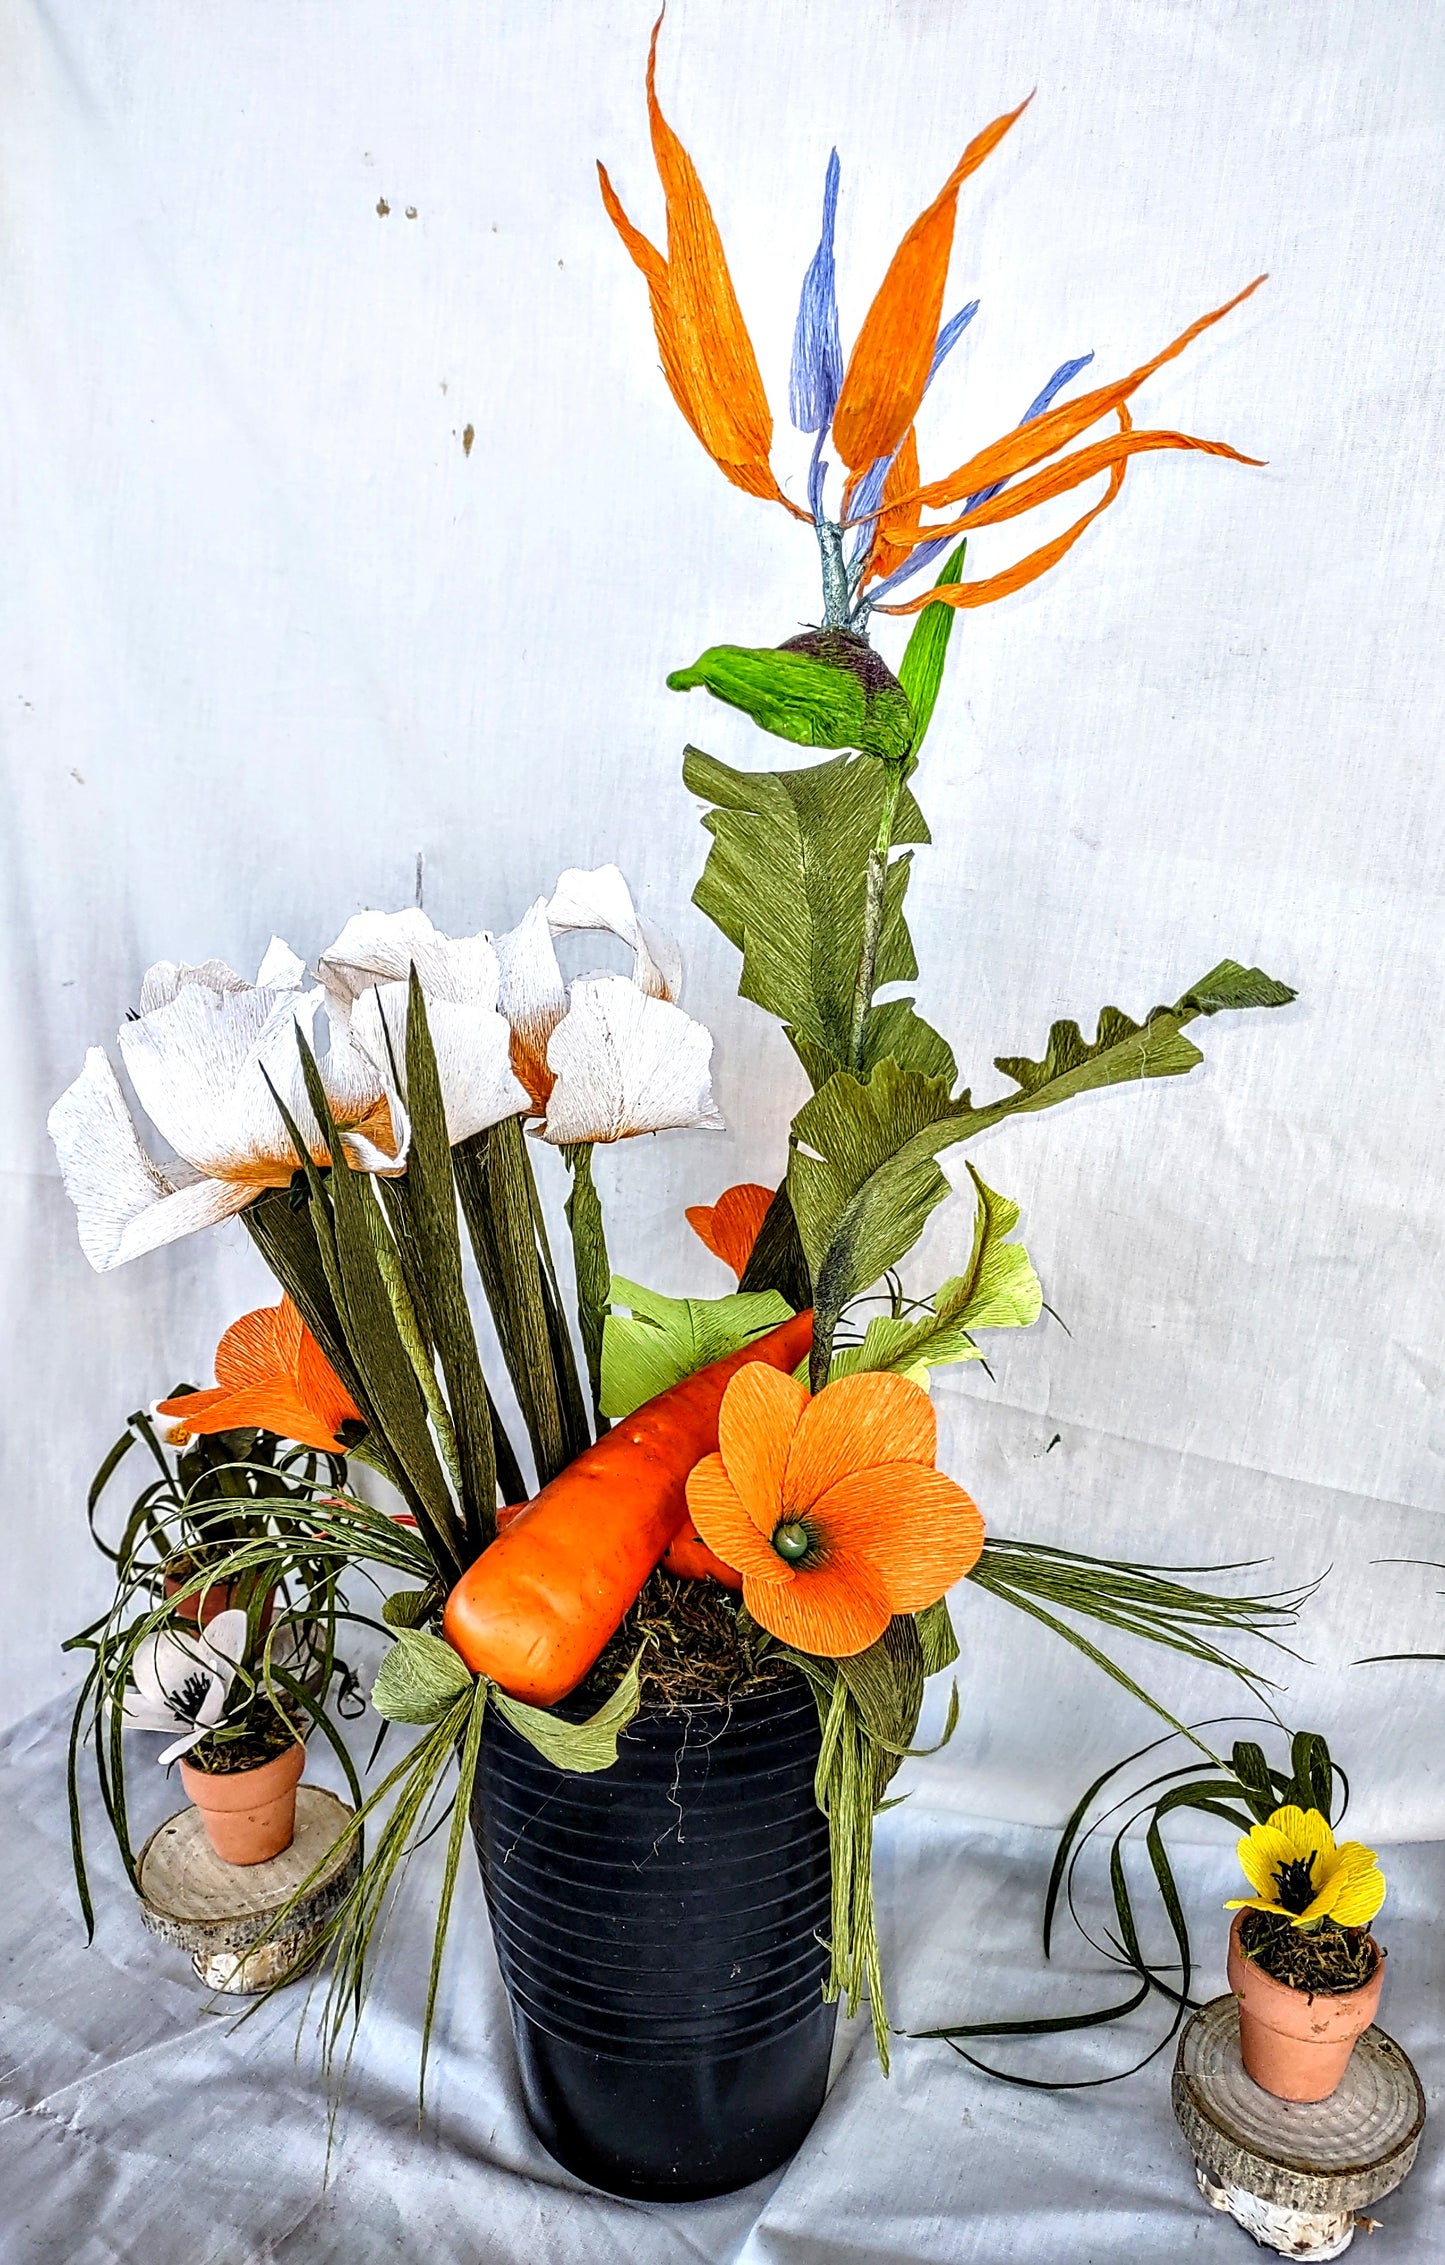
827, 688
863, 1179
1000, 1290
419, 1679
429, 1203
582, 1746
777, 1261
785, 881
874, 1179
886, 1685
936, 1637
667, 1339
410, 1608
590, 1263
921, 670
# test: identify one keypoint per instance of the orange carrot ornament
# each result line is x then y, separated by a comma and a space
537, 1608
831, 1508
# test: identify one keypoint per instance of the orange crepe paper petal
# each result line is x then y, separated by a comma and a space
898, 524
273, 1376
888, 367
1072, 471
995, 586
917, 1529
731, 1226
830, 1611
1030, 444
717, 1510
852, 1426
757, 1425
707, 355
260, 1345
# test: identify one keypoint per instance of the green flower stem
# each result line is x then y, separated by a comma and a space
874, 887
592, 1265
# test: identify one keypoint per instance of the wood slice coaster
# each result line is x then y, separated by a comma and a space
1296, 2175
216, 1911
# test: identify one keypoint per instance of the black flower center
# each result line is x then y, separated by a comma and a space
189, 1697
1294, 1883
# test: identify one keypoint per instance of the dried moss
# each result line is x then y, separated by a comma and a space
243, 1746
1327, 1962
701, 1648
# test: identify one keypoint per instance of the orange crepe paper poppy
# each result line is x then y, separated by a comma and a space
868, 413
830, 1506
731, 1226
271, 1375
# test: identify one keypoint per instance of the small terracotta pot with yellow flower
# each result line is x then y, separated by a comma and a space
1302, 1961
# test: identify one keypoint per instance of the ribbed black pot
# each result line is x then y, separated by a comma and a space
659, 1928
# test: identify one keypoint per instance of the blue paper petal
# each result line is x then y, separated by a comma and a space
949, 337
1036, 408
816, 377
864, 501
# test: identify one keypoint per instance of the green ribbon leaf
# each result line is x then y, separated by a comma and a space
582, 1746
419, 1679
936, 1637
827, 688
667, 1339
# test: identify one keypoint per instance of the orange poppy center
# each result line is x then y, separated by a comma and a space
791, 1540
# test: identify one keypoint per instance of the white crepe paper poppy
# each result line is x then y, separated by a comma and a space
624, 1063
183, 1679
367, 974
575, 1030
204, 1052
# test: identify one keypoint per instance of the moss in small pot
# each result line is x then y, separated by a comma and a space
256, 1739
1327, 1962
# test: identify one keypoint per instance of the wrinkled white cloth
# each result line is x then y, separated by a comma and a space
140, 2125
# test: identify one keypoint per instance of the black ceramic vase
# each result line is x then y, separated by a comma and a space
660, 1927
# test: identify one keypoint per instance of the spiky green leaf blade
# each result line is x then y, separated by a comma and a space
921, 670
431, 1198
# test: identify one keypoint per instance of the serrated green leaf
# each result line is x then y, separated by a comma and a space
921, 670
785, 881
875, 1178
582, 1746
826, 689
419, 1679
999, 1290
666, 1339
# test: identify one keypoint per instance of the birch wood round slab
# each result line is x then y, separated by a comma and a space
217, 1911
1297, 2176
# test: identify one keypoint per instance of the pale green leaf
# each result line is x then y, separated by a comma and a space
419, 1679
999, 1290
582, 1746
921, 670
410, 1608
666, 1339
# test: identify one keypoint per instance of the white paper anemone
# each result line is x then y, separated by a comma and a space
367, 972
608, 1056
183, 1679
203, 1053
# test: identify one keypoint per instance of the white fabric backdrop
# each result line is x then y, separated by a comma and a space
272, 639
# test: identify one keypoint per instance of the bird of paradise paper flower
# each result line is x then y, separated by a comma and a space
866, 408
1299, 1872
832, 1509
271, 1375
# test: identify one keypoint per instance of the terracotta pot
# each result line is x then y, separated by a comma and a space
249, 1815
1296, 2044
222, 1596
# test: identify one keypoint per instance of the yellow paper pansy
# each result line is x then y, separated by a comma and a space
1295, 1868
